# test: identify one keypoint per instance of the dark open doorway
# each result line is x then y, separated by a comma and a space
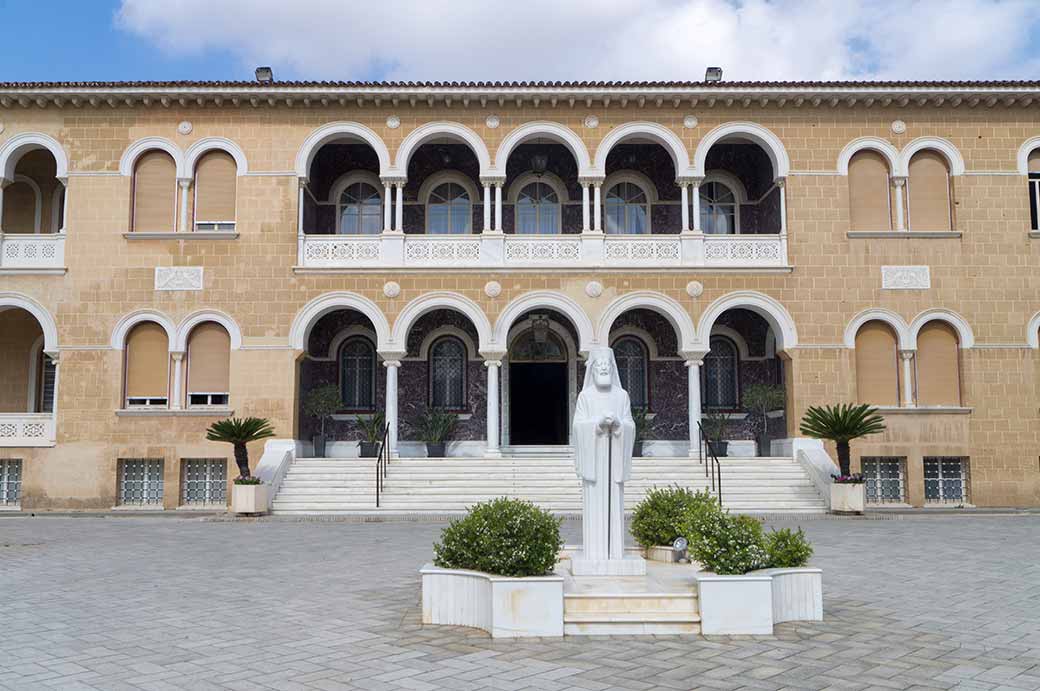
538, 403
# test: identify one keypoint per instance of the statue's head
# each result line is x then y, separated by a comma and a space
602, 373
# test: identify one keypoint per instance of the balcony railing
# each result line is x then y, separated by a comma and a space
26, 429
497, 250
32, 251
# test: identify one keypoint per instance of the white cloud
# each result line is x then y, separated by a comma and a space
602, 39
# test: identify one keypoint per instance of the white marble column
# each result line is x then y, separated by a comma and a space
388, 194
391, 402
693, 386
64, 205
498, 206
175, 398
55, 358
781, 184
4, 182
184, 184
494, 449
487, 206
585, 207
900, 185
597, 208
399, 208
684, 189
908, 382
696, 189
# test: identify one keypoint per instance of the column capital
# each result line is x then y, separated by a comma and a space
184, 183
394, 179
54, 355
391, 363
493, 180
693, 358
780, 182
177, 355
492, 359
590, 179
907, 354
694, 180
898, 180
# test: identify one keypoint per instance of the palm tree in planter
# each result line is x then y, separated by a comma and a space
841, 424
238, 432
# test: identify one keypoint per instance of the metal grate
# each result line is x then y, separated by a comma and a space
885, 479
946, 480
10, 480
203, 481
140, 481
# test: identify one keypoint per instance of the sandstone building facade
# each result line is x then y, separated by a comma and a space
175, 253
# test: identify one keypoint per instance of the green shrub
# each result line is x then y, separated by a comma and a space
788, 548
657, 519
722, 543
505, 537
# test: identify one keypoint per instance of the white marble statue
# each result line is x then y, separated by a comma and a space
603, 435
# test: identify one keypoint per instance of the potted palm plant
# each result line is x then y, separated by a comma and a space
759, 400
248, 495
714, 422
372, 427
841, 424
641, 417
435, 426
321, 403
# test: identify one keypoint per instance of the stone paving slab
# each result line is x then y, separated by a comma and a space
932, 602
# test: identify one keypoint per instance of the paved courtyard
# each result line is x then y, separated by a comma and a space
163, 603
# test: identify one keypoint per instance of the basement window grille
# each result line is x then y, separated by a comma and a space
203, 481
140, 481
946, 480
885, 479
10, 481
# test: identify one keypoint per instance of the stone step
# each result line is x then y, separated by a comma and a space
631, 629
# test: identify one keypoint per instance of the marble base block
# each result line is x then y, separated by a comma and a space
631, 565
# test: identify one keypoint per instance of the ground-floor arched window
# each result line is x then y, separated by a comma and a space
721, 374
631, 357
357, 374
448, 374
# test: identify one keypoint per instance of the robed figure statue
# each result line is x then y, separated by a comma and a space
603, 434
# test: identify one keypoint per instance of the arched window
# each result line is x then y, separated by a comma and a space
721, 375
216, 180
209, 365
869, 197
357, 374
928, 192
448, 374
538, 210
147, 366
1034, 189
627, 210
877, 364
938, 365
631, 357
359, 210
720, 212
155, 193
448, 210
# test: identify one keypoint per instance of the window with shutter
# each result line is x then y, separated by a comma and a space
1034, 189
216, 179
877, 364
938, 365
209, 362
155, 193
869, 197
928, 192
147, 366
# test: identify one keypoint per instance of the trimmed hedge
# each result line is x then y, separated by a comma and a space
788, 548
657, 519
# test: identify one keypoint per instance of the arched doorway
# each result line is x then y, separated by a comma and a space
539, 381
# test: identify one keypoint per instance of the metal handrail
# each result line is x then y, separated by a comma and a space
713, 469
382, 461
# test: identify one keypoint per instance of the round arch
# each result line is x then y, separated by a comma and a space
129, 321
204, 146
548, 300
20, 144
898, 324
143, 146
330, 302
659, 133
550, 130
659, 303
420, 135
965, 336
771, 310
769, 142
195, 318
1028, 146
339, 130
442, 300
949, 152
875, 144
39, 312
1033, 332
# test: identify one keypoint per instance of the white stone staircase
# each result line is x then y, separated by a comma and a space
434, 485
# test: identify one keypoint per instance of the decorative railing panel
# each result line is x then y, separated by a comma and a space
442, 251
26, 429
744, 250
31, 251
628, 251
340, 251
525, 250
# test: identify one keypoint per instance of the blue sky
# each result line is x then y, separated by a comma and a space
506, 40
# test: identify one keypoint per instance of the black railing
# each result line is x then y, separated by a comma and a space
712, 469
382, 461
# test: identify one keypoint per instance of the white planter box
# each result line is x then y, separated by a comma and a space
797, 594
249, 498
735, 605
668, 555
504, 607
847, 497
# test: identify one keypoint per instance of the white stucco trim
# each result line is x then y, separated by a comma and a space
548, 130
129, 321
1028, 146
965, 336
765, 306
204, 146
442, 300
330, 302
769, 142
202, 316
9, 299
142, 146
20, 144
663, 305
875, 144
651, 130
340, 130
1033, 332
37, 200
898, 324
453, 130
949, 152
472, 352
545, 299
550, 179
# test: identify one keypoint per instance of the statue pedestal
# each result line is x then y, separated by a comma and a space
631, 565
